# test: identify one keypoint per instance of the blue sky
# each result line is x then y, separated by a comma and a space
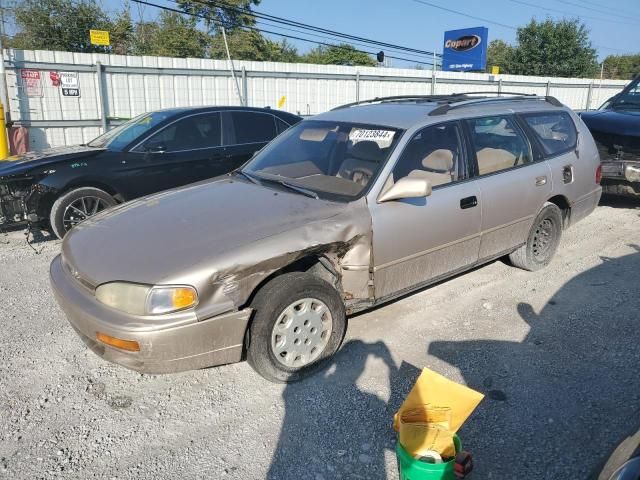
421, 26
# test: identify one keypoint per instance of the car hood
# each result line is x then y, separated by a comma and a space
19, 164
619, 122
158, 237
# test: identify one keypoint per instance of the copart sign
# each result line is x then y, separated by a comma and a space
465, 49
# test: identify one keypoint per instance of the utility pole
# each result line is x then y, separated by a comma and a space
4, 93
233, 75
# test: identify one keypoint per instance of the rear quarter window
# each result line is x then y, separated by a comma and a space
555, 131
252, 127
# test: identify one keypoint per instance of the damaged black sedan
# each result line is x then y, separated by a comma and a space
616, 129
61, 187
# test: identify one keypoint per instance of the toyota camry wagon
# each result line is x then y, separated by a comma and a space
342, 212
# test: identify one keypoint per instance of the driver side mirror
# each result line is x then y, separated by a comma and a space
407, 187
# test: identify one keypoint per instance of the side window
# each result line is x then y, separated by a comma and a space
556, 131
498, 143
251, 127
190, 133
433, 153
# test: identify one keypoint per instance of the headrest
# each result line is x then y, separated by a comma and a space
367, 150
440, 160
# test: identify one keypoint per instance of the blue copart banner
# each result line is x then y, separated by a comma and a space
465, 49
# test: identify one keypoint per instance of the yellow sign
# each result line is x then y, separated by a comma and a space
99, 37
495, 69
281, 101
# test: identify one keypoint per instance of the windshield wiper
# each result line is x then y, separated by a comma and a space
302, 190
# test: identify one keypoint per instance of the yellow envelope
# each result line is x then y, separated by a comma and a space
418, 439
438, 392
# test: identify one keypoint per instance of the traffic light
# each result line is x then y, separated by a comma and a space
380, 56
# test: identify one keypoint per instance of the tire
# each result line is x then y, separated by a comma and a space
62, 217
542, 242
276, 302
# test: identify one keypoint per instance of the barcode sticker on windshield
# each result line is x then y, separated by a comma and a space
375, 135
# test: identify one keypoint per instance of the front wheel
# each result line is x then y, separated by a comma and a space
299, 322
76, 206
542, 242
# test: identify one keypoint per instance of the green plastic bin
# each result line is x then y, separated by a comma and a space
412, 469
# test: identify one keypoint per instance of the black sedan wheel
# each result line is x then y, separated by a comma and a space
76, 206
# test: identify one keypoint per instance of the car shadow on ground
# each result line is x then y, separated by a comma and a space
559, 401
616, 201
334, 429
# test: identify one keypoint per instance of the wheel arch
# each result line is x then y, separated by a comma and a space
315, 264
47, 200
563, 204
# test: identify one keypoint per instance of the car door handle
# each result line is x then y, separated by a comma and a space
540, 181
468, 202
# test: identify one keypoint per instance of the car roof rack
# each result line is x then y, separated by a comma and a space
395, 98
443, 109
454, 100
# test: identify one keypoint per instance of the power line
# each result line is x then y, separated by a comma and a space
262, 30
277, 24
511, 27
597, 10
571, 14
457, 12
306, 26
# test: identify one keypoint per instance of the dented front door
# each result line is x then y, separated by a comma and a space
418, 240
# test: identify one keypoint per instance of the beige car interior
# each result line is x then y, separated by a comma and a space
495, 159
362, 162
438, 167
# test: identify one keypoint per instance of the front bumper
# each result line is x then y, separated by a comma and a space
171, 344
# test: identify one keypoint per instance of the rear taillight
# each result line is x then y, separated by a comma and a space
598, 174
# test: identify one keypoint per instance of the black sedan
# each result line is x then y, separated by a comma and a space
155, 151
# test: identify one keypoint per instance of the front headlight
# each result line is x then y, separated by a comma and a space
146, 300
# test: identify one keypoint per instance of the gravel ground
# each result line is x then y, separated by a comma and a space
556, 352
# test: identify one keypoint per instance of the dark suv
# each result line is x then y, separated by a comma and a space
152, 152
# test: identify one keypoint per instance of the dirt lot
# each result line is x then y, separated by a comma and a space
555, 351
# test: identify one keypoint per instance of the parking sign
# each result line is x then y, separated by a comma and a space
70, 84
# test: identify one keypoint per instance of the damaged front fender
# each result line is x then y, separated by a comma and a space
344, 240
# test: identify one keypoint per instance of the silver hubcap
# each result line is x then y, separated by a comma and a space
301, 332
81, 209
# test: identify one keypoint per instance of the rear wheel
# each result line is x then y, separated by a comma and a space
76, 206
542, 242
299, 322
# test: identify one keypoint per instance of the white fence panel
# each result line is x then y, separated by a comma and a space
128, 86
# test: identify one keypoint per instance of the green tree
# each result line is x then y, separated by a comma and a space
343, 54
59, 25
623, 67
251, 45
174, 35
499, 53
556, 48
233, 14
122, 34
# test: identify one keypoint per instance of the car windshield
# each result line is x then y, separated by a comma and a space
630, 99
123, 135
333, 160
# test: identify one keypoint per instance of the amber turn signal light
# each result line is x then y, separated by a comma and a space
128, 345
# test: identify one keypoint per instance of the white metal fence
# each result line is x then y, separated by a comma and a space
116, 87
